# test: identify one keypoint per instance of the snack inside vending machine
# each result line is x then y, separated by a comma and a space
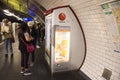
65, 45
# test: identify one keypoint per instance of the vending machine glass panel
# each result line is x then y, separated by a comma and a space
48, 23
62, 44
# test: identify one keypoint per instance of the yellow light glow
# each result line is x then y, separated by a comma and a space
15, 4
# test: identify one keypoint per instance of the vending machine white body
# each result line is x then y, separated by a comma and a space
64, 40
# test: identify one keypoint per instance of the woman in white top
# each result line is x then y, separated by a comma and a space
6, 31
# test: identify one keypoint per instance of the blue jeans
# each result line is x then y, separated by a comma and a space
8, 45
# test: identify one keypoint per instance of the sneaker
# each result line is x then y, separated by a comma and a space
31, 64
26, 73
22, 71
37, 46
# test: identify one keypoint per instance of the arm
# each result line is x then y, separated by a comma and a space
10, 29
2, 30
27, 37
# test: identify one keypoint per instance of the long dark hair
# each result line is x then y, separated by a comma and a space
23, 27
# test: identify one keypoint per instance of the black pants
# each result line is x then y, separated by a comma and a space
33, 57
33, 53
24, 58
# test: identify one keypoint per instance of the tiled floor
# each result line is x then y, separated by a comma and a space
10, 68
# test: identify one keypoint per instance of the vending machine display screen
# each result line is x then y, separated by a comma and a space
62, 44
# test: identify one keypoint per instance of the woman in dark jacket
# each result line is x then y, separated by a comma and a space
23, 36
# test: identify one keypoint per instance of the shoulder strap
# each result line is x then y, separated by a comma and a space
23, 41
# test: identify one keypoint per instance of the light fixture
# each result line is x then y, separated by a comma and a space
8, 13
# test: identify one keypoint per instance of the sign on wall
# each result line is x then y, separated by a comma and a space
112, 15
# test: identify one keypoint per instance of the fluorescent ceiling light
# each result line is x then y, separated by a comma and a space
8, 13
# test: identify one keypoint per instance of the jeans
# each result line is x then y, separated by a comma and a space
8, 45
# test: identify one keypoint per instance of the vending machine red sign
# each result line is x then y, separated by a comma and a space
65, 46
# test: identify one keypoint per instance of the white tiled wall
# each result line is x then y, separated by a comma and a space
100, 52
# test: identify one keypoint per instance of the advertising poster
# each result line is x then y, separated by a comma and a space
112, 16
110, 19
62, 44
115, 6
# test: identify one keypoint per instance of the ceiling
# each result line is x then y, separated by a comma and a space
21, 8
19, 5
14, 6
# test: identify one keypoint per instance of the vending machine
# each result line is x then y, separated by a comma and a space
65, 45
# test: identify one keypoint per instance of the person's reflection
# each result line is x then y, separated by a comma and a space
4, 64
5, 61
11, 60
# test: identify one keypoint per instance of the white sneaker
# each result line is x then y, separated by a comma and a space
26, 73
37, 46
31, 64
22, 72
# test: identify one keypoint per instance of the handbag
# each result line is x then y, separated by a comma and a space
30, 47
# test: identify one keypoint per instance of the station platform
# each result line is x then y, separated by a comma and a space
10, 67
